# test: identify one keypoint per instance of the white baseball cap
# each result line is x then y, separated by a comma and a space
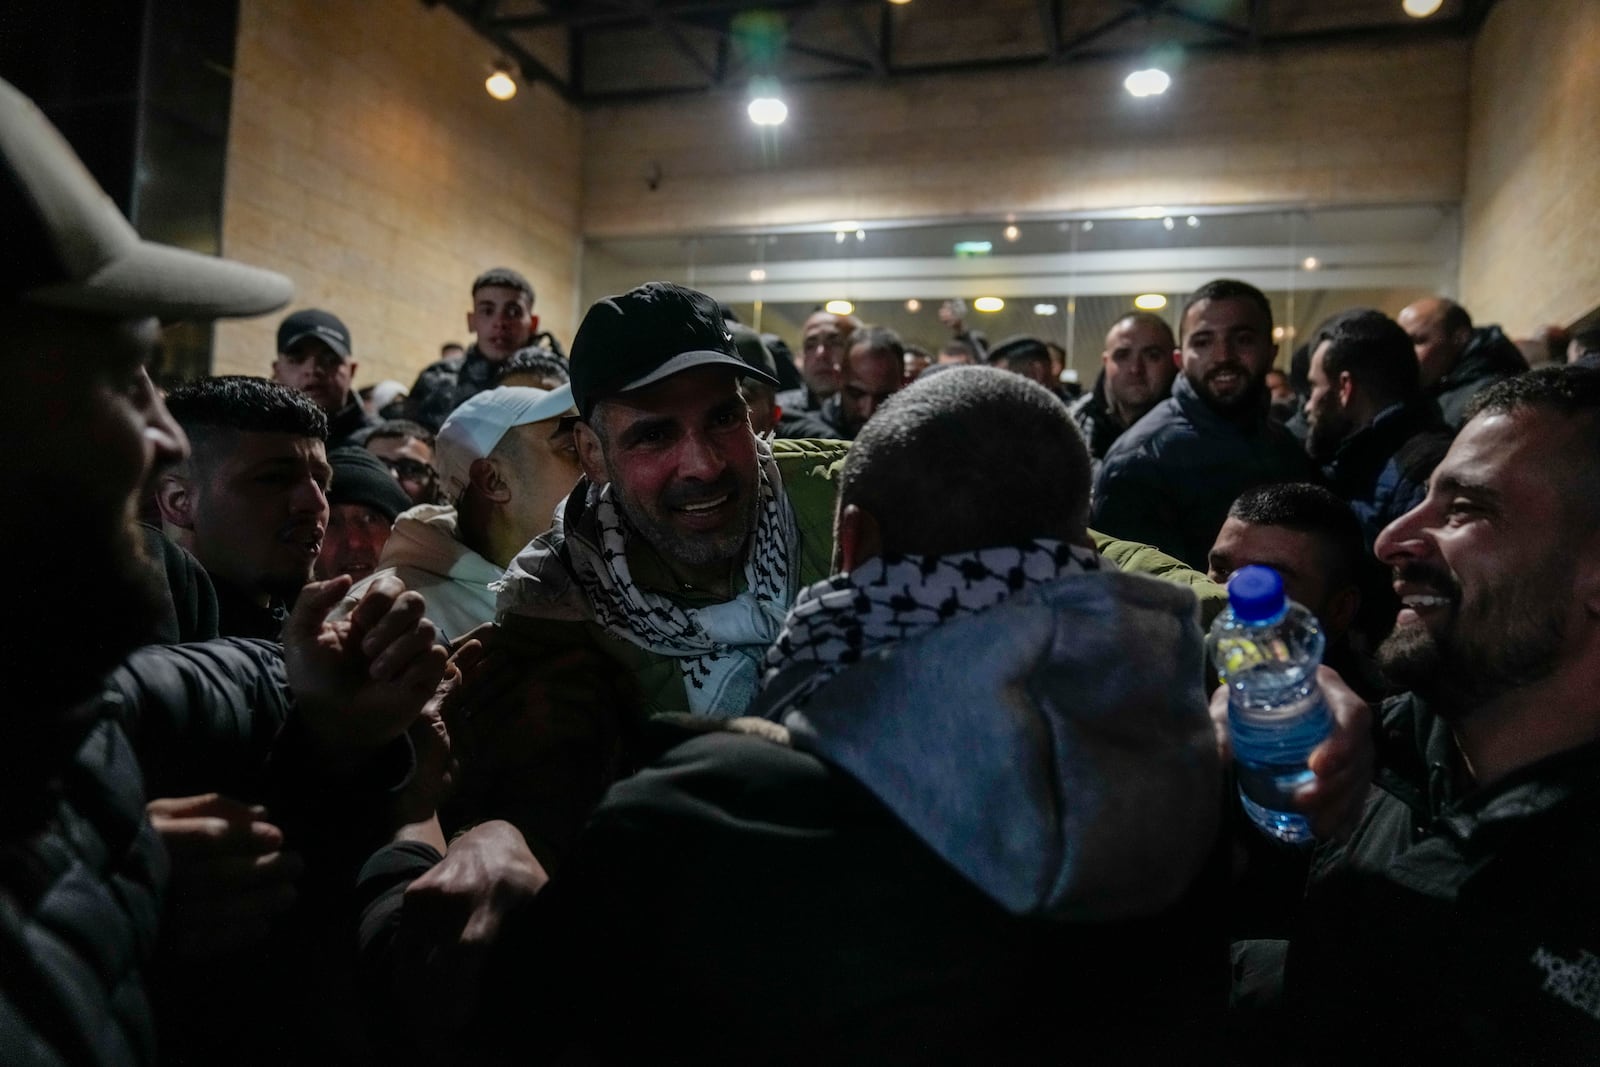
474, 429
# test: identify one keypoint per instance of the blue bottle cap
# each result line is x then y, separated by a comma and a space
1256, 594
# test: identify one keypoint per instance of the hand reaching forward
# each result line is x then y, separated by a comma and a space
230, 875
361, 681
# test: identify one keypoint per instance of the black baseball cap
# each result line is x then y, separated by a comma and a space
636, 339
314, 322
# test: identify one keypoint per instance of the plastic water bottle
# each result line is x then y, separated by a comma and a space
1267, 648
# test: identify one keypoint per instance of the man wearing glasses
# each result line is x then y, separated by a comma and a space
406, 448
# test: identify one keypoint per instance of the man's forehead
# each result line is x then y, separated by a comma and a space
396, 447
689, 390
241, 448
1226, 313
498, 295
1137, 335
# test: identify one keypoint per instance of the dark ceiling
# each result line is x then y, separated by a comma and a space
603, 51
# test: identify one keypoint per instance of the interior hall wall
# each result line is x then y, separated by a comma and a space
1531, 216
1339, 124
366, 162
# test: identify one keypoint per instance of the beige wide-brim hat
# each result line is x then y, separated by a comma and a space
69, 247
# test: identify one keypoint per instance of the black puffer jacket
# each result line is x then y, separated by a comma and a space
1488, 357
446, 385
82, 872
1170, 480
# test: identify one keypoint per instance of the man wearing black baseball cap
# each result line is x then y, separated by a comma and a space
314, 358
688, 536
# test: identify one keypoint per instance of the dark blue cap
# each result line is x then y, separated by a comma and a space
1256, 594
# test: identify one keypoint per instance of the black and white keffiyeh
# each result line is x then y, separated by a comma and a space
718, 647
888, 599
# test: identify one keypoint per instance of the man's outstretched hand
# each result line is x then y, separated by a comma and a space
361, 681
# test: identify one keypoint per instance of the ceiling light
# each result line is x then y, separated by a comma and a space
1310, 263
1012, 233
1168, 223
1277, 333
967, 249
1045, 309
861, 235
899, 1
768, 111
1088, 225
1150, 302
1149, 82
1420, 9
913, 305
758, 275
839, 237
1192, 221
838, 307
988, 303
501, 85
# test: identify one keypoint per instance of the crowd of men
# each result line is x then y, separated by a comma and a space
678, 700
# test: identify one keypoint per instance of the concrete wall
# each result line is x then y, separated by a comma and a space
1531, 217
367, 163
1348, 124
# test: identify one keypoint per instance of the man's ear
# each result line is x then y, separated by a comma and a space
1177, 359
591, 454
484, 477
533, 324
1347, 388
471, 326
175, 500
857, 538
354, 366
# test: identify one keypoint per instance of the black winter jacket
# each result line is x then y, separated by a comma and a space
1169, 480
1488, 357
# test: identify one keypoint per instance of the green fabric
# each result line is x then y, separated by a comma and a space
1143, 559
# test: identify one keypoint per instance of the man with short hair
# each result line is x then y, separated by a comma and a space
502, 321
250, 501
364, 499
1457, 923
506, 461
824, 339
951, 840
1313, 540
1455, 361
872, 370
1028, 357
406, 448
535, 368
688, 536
953, 315
1137, 367
1168, 481
957, 352
1376, 437
314, 357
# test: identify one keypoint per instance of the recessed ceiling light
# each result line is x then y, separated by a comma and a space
1192, 221
1420, 9
1311, 263
501, 85
913, 305
768, 111
988, 303
1012, 233
758, 275
1168, 223
838, 307
1151, 81
1150, 302
1045, 309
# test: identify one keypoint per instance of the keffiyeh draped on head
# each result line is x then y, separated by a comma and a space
718, 647
840, 619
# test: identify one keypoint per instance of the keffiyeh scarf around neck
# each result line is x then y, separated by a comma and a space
719, 646
889, 599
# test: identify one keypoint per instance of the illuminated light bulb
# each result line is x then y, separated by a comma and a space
1045, 309
1012, 233
1420, 9
1311, 263
1149, 82
758, 275
500, 85
913, 305
1150, 302
838, 307
768, 111
988, 303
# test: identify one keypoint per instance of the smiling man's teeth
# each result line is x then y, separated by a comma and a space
1419, 601
705, 505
